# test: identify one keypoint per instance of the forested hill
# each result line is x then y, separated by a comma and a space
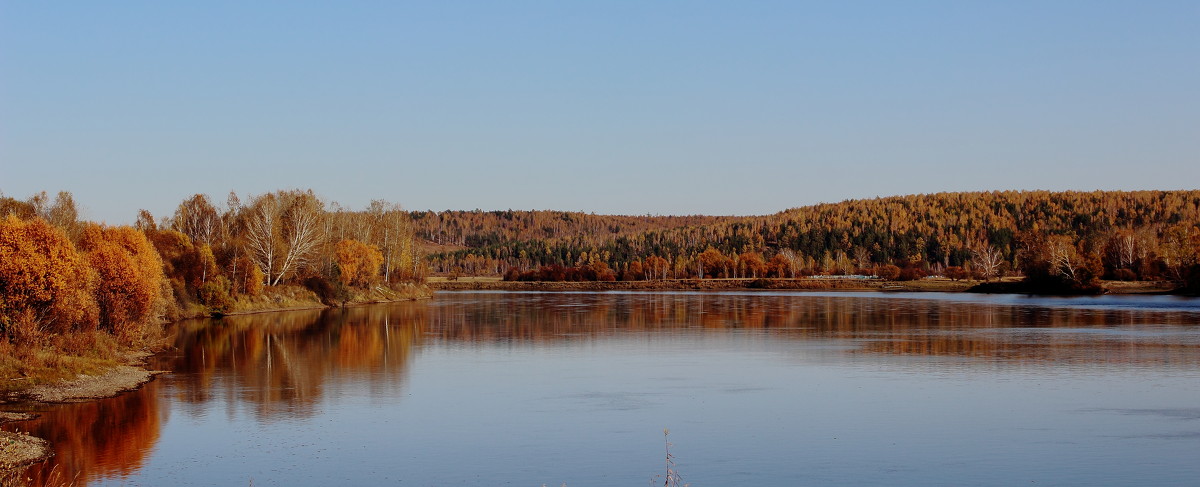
507, 233
1140, 231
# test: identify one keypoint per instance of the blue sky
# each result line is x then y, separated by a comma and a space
609, 107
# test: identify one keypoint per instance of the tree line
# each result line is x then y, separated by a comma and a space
59, 274
1067, 237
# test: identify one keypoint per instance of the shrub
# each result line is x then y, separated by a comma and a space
129, 275
45, 282
889, 272
215, 294
1124, 275
956, 273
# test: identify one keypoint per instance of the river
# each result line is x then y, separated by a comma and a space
756, 388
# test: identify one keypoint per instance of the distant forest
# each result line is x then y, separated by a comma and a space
1074, 236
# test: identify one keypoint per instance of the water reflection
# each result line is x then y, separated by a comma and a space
106, 438
281, 362
1013, 333
282, 366
278, 364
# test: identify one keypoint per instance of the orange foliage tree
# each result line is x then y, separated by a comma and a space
752, 264
656, 267
359, 263
713, 263
252, 279
45, 285
130, 276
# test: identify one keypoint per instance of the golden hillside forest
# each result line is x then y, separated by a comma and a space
1061, 239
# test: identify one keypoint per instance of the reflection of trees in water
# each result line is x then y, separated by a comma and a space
896, 326
105, 438
281, 362
277, 362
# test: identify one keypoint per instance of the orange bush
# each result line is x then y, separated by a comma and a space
130, 273
44, 282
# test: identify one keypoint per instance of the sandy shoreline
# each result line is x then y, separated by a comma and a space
19, 450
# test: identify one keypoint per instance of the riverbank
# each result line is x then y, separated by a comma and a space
19, 450
800, 284
61, 359
92, 366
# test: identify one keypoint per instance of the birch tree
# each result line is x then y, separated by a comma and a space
986, 260
284, 232
198, 219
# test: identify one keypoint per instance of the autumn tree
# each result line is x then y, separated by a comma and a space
63, 214
778, 266
1179, 251
1056, 263
129, 274
145, 221
862, 258
392, 234
634, 272
986, 261
712, 263
358, 263
20, 209
795, 262
198, 219
956, 273
45, 284
251, 281
888, 272
752, 264
283, 232
656, 267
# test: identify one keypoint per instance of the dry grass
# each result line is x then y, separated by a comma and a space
276, 298
55, 358
1138, 287
396, 292
670, 477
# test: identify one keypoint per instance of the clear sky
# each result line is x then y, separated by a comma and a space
672, 107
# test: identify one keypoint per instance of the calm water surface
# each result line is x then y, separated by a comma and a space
757, 389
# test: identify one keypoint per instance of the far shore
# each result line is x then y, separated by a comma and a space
798, 284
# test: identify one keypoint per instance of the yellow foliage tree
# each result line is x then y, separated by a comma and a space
253, 277
359, 263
